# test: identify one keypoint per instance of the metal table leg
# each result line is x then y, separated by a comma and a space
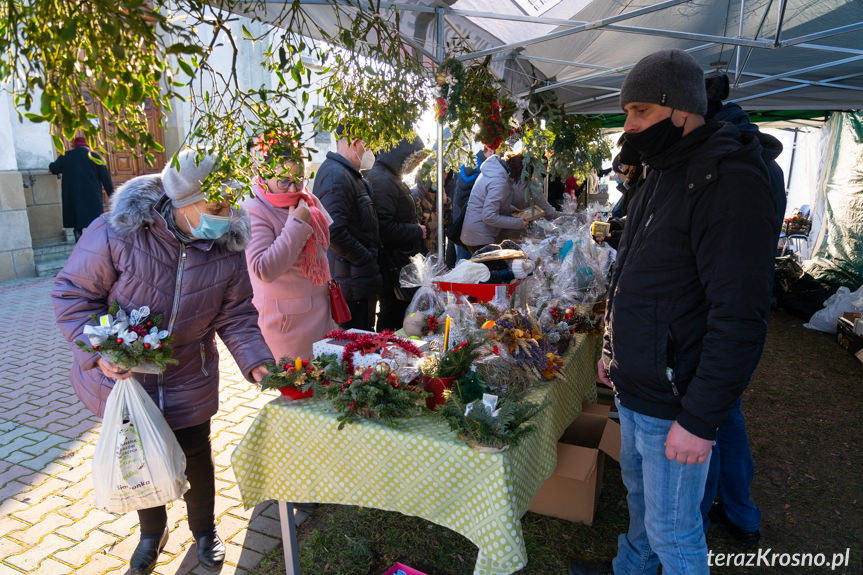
289, 538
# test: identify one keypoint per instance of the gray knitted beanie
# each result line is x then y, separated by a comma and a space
670, 78
183, 186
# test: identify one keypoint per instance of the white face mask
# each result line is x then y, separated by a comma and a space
367, 161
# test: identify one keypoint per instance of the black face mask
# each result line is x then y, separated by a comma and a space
655, 139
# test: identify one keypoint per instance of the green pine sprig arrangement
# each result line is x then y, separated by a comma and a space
482, 428
457, 360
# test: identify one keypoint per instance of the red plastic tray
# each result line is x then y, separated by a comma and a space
408, 570
481, 292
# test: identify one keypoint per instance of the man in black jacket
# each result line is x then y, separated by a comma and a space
687, 307
354, 236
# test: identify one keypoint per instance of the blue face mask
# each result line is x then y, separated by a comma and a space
211, 227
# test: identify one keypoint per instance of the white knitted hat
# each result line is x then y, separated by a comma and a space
184, 186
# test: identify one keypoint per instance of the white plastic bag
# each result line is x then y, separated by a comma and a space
138, 462
844, 300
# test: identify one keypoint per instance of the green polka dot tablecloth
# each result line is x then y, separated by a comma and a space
294, 452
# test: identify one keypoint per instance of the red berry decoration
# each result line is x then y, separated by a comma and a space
146, 346
119, 340
149, 324
96, 347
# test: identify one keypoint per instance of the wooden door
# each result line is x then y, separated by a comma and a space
125, 164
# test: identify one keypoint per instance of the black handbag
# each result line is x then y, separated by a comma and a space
453, 231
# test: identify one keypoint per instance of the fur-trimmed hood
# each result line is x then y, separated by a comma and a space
138, 204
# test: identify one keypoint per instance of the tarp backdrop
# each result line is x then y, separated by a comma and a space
837, 248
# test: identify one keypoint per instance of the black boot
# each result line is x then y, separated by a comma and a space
147, 553
211, 550
581, 567
745, 538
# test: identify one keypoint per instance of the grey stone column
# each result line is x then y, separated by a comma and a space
16, 246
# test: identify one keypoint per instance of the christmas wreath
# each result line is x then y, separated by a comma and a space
366, 393
292, 377
472, 96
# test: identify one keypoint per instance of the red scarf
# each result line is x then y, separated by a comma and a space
313, 259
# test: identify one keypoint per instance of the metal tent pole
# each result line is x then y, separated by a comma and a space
440, 179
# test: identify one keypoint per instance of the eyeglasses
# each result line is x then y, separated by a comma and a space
298, 184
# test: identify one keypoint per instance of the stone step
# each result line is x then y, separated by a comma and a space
49, 267
53, 250
51, 258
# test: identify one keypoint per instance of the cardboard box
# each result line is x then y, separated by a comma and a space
572, 491
605, 396
848, 339
855, 320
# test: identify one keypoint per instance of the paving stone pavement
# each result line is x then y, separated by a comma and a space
48, 523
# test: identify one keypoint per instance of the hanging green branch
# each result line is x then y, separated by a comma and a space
475, 105
59, 57
374, 84
577, 146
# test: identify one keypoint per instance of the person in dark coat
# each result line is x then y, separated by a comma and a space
686, 310
732, 466
354, 234
81, 188
400, 230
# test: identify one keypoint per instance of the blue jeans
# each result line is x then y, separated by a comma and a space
731, 471
461, 253
664, 499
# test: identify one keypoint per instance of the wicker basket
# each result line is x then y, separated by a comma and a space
793, 228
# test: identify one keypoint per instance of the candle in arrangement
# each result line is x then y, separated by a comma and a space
446, 334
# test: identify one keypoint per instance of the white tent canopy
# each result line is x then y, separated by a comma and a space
780, 54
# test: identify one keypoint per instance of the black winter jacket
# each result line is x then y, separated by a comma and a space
401, 235
354, 236
770, 150
690, 292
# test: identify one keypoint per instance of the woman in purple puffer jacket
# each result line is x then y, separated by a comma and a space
164, 246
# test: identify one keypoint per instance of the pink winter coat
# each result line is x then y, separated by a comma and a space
293, 313
202, 288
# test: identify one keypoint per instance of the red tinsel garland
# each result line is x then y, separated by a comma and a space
368, 343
